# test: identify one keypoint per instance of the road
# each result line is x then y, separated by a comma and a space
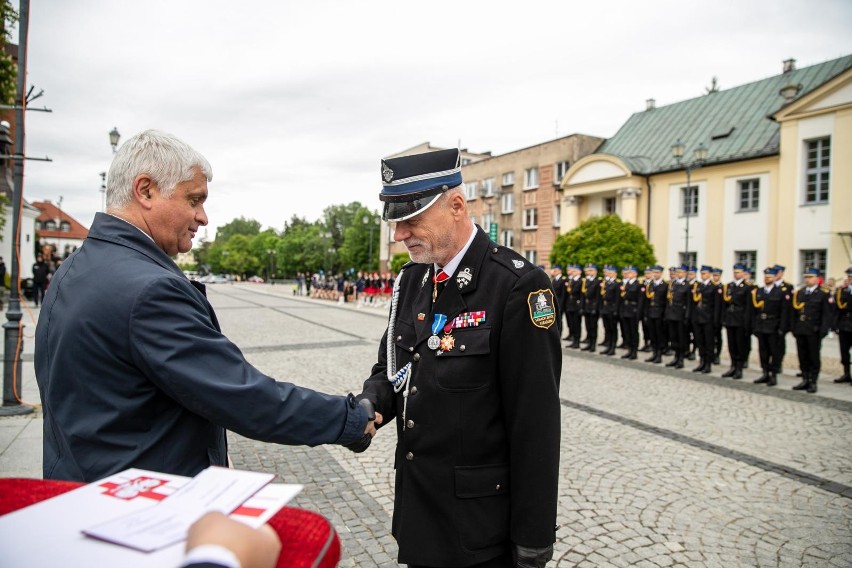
660, 467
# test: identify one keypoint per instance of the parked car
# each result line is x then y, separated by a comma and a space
256, 279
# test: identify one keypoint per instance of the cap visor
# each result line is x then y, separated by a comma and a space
404, 210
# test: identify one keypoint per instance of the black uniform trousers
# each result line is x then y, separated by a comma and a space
630, 331
845, 338
677, 336
737, 339
769, 345
717, 340
657, 329
705, 335
808, 347
591, 321
610, 322
574, 325
502, 561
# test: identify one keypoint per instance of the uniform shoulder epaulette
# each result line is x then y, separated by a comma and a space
825, 289
510, 260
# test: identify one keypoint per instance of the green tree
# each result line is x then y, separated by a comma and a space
303, 248
398, 261
237, 256
355, 249
604, 240
240, 226
265, 247
8, 68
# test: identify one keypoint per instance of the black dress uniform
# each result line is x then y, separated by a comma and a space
736, 319
706, 309
557, 283
591, 287
811, 321
574, 308
630, 306
771, 317
609, 312
788, 290
718, 327
677, 301
843, 324
655, 310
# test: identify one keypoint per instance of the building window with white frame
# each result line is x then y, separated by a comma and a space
470, 190
487, 188
689, 201
507, 203
508, 178
507, 238
748, 193
531, 256
557, 215
559, 171
487, 219
817, 170
814, 258
530, 218
531, 178
747, 257
689, 259
609, 204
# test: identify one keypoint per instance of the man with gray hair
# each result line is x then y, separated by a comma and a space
132, 367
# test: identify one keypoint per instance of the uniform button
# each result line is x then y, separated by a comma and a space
461, 348
416, 357
413, 391
410, 349
399, 338
409, 456
494, 249
498, 487
409, 424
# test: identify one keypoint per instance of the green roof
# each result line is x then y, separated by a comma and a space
734, 124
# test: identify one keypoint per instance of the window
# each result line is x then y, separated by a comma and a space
747, 257
690, 259
465, 161
749, 194
487, 187
531, 178
609, 205
38, 225
557, 215
49, 225
65, 227
530, 221
487, 219
817, 171
814, 258
470, 190
689, 201
507, 238
531, 256
559, 171
507, 203
508, 178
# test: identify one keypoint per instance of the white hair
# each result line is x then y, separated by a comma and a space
167, 160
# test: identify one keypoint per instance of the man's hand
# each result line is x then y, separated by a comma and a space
531, 557
373, 418
254, 548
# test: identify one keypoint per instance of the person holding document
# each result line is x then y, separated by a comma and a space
132, 368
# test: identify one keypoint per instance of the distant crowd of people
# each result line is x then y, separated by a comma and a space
364, 287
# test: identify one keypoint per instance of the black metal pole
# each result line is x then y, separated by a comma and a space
13, 328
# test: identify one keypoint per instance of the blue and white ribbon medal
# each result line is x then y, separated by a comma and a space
437, 325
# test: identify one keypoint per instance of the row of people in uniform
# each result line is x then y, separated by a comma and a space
690, 311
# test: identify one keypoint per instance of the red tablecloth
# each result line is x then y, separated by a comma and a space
307, 538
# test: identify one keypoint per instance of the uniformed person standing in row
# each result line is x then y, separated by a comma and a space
706, 310
656, 290
716, 276
557, 282
843, 323
691, 278
591, 290
771, 321
574, 304
748, 272
737, 297
469, 366
812, 318
609, 308
788, 290
677, 304
630, 307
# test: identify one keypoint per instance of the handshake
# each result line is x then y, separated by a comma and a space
373, 418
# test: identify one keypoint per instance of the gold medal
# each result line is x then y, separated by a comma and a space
448, 342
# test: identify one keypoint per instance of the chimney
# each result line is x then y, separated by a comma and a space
650, 104
789, 65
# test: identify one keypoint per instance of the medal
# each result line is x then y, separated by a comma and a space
448, 342
434, 341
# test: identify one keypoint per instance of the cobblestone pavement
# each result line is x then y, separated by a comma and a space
659, 467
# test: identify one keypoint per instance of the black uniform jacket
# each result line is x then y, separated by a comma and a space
133, 370
591, 291
737, 298
707, 299
632, 296
771, 310
812, 313
573, 295
677, 301
843, 313
477, 461
655, 298
611, 297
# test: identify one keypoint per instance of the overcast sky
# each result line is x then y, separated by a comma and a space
294, 103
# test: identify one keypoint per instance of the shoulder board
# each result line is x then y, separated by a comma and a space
824, 289
509, 259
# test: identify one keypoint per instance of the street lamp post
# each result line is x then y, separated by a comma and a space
367, 220
699, 156
114, 137
269, 253
103, 191
487, 197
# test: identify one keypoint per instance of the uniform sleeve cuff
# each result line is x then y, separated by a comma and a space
211, 554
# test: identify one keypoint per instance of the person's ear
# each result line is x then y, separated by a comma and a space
457, 205
143, 190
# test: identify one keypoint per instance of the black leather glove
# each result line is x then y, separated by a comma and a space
530, 556
361, 444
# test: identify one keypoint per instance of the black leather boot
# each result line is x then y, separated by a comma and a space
679, 361
738, 370
700, 366
804, 384
846, 378
812, 383
763, 378
730, 372
773, 379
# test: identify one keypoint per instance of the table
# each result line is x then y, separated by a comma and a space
307, 538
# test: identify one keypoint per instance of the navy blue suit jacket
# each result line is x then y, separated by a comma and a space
134, 371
